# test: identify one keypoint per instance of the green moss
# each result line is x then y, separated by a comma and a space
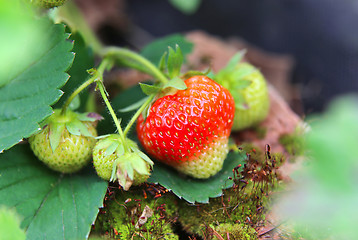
121, 214
239, 211
241, 207
293, 143
235, 231
260, 132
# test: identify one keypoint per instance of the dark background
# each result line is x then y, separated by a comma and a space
322, 35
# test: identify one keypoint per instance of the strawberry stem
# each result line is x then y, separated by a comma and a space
136, 115
75, 93
110, 109
104, 64
137, 60
98, 78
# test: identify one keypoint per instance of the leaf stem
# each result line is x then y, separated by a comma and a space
122, 53
136, 115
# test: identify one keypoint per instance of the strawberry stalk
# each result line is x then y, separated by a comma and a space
106, 63
110, 109
137, 60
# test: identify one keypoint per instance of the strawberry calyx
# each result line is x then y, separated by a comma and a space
233, 76
72, 121
129, 164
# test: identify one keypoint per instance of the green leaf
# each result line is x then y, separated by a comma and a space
154, 50
186, 6
324, 193
176, 83
21, 36
149, 89
52, 205
10, 225
175, 60
31, 88
197, 190
84, 60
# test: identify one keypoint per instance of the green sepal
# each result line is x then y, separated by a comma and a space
231, 65
144, 157
210, 74
242, 71
111, 148
128, 166
89, 117
103, 144
240, 102
175, 60
162, 62
78, 128
75, 103
149, 89
134, 106
193, 73
176, 83
139, 164
120, 150
55, 134
242, 84
145, 112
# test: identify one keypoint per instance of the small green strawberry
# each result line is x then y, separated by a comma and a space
66, 141
48, 3
115, 158
189, 129
249, 89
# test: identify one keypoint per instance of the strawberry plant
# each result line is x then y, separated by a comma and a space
60, 156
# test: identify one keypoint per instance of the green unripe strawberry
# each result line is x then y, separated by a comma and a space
66, 142
249, 90
48, 3
116, 158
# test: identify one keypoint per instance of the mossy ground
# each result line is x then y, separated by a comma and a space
236, 214
294, 143
123, 216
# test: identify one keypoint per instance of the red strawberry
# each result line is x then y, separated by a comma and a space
189, 129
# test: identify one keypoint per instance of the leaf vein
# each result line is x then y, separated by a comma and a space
45, 198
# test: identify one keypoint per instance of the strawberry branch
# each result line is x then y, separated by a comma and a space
134, 60
106, 63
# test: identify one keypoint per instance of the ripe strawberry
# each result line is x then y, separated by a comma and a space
249, 89
48, 3
115, 158
65, 143
189, 129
